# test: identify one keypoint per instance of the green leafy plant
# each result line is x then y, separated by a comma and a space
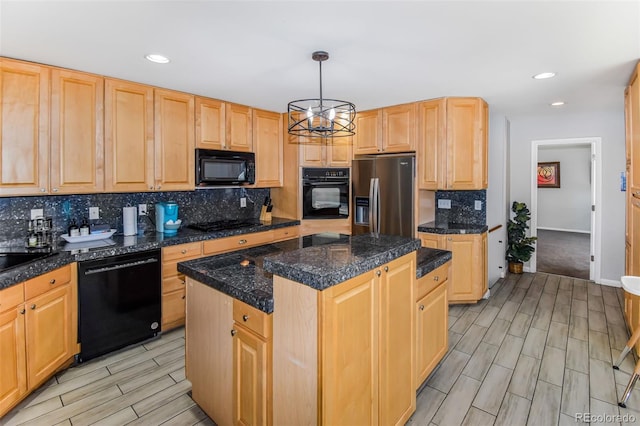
520, 247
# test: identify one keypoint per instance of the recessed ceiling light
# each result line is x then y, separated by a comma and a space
159, 59
544, 75
558, 103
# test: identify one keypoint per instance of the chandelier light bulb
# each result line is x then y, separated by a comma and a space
309, 113
332, 114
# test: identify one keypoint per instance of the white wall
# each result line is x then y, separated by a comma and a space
496, 196
567, 208
608, 125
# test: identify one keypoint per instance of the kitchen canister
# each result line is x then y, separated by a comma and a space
130, 220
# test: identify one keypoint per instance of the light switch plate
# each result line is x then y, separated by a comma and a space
94, 213
444, 204
142, 209
243, 202
478, 205
36, 212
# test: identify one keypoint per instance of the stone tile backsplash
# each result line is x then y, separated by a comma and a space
194, 206
462, 207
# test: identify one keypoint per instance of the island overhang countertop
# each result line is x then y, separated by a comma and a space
318, 261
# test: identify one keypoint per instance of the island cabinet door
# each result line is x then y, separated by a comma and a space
251, 356
209, 350
349, 359
397, 396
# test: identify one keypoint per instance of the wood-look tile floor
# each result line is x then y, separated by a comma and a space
538, 352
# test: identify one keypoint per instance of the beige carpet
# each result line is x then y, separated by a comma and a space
563, 253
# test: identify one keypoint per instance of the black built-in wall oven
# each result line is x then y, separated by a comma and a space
325, 193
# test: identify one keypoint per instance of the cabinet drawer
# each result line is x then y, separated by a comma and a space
285, 233
11, 297
170, 269
43, 283
237, 242
181, 252
432, 280
252, 318
173, 283
173, 309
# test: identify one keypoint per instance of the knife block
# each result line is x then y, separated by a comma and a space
265, 216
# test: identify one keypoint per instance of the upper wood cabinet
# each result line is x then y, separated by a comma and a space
633, 129
129, 152
267, 144
24, 128
210, 124
174, 141
77, 151
386, 130
238, 127
331, 152
452, 144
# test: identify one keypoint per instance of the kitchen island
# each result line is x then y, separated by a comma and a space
322, 327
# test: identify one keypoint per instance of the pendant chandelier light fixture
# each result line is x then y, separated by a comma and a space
321, 117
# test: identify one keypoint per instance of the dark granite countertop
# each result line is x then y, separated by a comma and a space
429, 259
452, 228
118, 244
321, 260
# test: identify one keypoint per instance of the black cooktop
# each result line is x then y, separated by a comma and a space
220, 225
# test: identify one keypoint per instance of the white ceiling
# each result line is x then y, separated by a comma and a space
381, 52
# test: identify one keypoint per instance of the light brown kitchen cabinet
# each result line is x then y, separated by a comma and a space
360, 335
24, 128
77, 132
432, 311
210, 124
632, 141
386, 130
238, 127
38, 332
267, 145
452, 144
174, 282
468, 273
129, 144
331, 152
633, 223
632, 314
174, 141
368, 137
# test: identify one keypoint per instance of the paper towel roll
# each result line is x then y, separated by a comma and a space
130, 220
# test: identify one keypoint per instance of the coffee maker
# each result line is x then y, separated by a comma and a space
165, 211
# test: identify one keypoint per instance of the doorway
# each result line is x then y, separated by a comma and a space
552, 211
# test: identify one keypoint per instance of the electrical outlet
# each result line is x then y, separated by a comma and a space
36, 212
94, 213
142, 209
444, 204
243, 202
478, 205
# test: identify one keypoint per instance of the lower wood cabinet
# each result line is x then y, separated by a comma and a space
632, 314
173, 282
468, 280
228, 362
432, 311
38, 332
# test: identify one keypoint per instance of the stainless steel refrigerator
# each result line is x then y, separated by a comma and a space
383, 194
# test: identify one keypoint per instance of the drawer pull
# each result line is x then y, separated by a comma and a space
33, 306
22, 311
386, 269
436, 278
233, 332
53, 281
184, 251
243, 241
183, 296
422, 307
245, 318
378, 273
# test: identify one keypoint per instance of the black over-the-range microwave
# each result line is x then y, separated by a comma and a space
217, 167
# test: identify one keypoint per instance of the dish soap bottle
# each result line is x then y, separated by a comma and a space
84, 228
74, 231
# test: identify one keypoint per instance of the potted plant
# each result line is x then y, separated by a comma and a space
520, 247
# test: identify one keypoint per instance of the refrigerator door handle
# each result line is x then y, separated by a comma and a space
377, 205
372, 184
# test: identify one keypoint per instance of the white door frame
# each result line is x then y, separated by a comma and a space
596, 197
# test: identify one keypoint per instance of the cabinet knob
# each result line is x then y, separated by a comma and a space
43, 190
55, 189
53, 281
436, 278
150, 187
245, 318
378, 273
22, 311
184, 251
159, 186
386, 269
33, 306
183, 297
422, 307
233, 332
243, 241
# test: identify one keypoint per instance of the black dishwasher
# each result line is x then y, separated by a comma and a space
119, 302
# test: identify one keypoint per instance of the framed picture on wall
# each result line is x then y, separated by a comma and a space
549, 175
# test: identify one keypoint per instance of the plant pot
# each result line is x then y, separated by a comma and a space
515, 267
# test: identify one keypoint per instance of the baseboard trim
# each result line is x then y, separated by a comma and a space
578, 231
610, 283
